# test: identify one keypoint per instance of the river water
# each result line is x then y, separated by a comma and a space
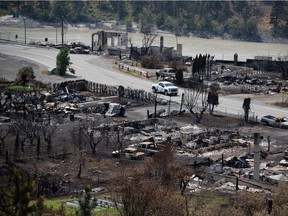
221, 49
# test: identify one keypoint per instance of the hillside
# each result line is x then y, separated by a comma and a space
241, 20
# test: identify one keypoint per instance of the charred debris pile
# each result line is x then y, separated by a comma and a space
70, 98
219, 155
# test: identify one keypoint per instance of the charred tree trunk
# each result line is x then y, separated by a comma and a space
17, 144
23, 144
38, 147
246, 108
80, 170
49, 145
200, 115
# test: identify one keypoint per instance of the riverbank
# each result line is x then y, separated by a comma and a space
9, 21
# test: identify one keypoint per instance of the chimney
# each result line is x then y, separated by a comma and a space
235, 59
256, 156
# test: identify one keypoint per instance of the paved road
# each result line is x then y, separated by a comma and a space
94, 68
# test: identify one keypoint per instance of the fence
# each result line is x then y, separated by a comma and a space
240, 116
133, 69
108, 90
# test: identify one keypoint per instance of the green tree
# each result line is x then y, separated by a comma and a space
147, 20
63, 8
63, 61
87, 203
179, 77
160, 19
15, 195
276, 16
121, 10
82, 11
198, 68
25, 75
137, 8
178, 66
245, 9
199, 17
39, 206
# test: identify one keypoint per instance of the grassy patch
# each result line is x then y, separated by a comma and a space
22, 88
55, 206
46, 72
208, 200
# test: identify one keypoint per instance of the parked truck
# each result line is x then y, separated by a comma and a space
165, 87
276, 121
129, 153
147, 147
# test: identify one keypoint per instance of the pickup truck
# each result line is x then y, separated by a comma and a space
165, 87
148, 148
129, 153
276, 121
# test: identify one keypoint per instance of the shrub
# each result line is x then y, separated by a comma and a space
151, 62
179, 77
24, 75
3, 79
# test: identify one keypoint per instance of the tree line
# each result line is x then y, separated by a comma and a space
236, 19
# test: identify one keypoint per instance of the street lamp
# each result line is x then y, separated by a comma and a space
155, 104
176, 42
56, 34
24, 27
62, 32
17, 15
56, 26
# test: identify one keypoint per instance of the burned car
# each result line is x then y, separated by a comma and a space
129, 153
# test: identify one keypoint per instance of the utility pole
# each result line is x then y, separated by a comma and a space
169, 106
155, 104
182, 101
24, 27
62, 26
256, 156
17, 15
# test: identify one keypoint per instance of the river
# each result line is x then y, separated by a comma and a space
221, 49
